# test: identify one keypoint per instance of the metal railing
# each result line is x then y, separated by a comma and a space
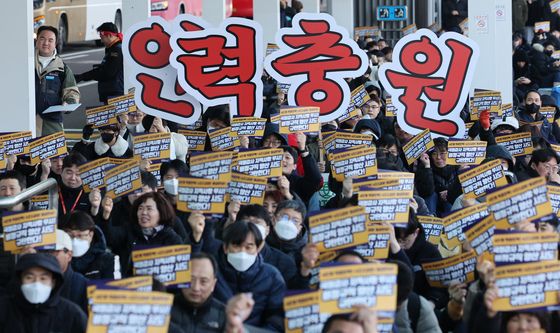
46, 185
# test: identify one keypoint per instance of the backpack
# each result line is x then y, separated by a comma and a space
413, 309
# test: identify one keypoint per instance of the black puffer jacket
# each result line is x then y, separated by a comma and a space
97, 262
208, 318
57, 314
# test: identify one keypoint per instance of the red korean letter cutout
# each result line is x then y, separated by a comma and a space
430, 74
314, 57
157, 92
222, 66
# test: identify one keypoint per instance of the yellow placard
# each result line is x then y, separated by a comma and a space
527, 286
222, 139
486, 100
378, 184
409, 29
247, 189
339, 228
477, 181
16, 143
358, 97
433, 226
123, 179
459, 268
370, 31
517, 144
467, 128
340, 140
130, 311
35, 229
196, 139
525, 247
417, 146
554, 6
548, 112
2, 157
512, 204
248, 126
377, 246
357, 161
465, 152
260, 162
507, 110
324, 258
212, 165
38, 202
138, 283
101, 116
47, 147
301, 312
123, 104
480, 235
170, 265
390, 108
206, 195
389, 206
554, 197
299, 119
153, 146
406, 179
371, 284
457, 221
93, 173
543, 25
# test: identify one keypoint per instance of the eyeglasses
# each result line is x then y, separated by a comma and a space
549, 167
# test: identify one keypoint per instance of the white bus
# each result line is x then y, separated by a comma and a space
76, 20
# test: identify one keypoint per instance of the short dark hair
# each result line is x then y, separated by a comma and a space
411, 226
296, 205
203, 256
405, 280
79, 220
48, 28
543, 155
257, 211
148, 179
290, 150
164, 207
335, 317
237, 232
14, 174
108, 26
73, 159
387, 140
440, 144
349, 253
177, 165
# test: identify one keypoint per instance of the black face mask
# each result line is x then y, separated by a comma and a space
26, 170
548, 52
532, 108
107, 137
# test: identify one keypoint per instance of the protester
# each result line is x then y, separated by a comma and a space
109, 73
54, 82
36, 304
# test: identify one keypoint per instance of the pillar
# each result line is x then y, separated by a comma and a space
267, 13
214, 11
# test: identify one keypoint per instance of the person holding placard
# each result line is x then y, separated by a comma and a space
529, 113
179, 146
90, 255
36, 305
444, 176
307, 185
152, 218
242, 270
413, 240
109, 144
71, 193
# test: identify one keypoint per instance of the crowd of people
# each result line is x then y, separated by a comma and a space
243, 264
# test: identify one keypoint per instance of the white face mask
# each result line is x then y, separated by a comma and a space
241, 261
171, 186
79, 247
262, 230
36, 292
286, 228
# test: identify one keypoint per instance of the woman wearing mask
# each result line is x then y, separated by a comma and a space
242, 270
109, 144
151, 221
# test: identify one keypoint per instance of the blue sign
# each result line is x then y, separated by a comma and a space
392, 13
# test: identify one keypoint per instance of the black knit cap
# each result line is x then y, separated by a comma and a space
108, 26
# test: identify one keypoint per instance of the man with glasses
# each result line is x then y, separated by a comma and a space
109, 73
543, 163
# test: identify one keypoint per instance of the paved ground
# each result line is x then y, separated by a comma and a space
81, 58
